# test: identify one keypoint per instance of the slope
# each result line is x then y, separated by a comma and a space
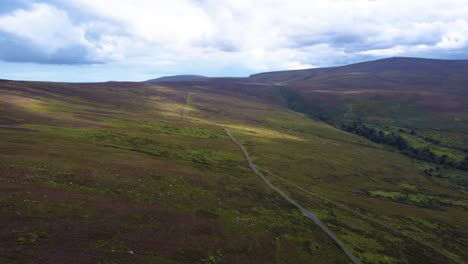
120, 172
423, 100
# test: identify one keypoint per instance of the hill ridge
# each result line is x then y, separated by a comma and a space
177, 78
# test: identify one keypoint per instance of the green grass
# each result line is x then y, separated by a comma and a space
419, 143
124, 169
419, 199
182, 129
346, 167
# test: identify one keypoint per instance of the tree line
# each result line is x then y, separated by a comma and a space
397, 141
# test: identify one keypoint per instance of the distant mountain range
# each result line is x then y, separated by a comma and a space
384, 71
376, 74
177, 78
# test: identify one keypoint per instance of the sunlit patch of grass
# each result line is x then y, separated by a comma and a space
369, 257
408, 186
170, 108
427, 223
419, 199
263, 132
420, 143
363, 242
24, 102
50, 110
448, 137
164, 89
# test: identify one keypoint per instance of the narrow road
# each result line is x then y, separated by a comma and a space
304, 211
355, 212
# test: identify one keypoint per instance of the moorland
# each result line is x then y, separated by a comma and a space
143, 172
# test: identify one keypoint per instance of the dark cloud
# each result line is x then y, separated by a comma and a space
16, 49
331, 38
362, 41
221, 45
226, 46
345, 41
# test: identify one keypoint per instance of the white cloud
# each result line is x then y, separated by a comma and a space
455, 37
177, 21
248, 36
44, 25
270, 34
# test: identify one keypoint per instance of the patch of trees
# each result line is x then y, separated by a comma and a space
397, 141
292, 98
464, 164
378, 136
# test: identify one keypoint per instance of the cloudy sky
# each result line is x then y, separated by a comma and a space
101, 40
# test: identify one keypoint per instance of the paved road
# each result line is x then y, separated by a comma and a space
304, 211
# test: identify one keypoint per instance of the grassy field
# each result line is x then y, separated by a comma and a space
371, 183
141, 173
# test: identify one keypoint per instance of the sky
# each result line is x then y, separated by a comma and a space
135, 40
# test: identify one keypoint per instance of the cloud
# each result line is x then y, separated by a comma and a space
17, 49
229, 37
271, 34
43, 34
177, 21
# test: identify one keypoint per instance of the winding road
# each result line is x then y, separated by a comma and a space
304, 211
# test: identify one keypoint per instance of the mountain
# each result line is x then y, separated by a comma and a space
377, 74
138, 172
177, 78
423, 97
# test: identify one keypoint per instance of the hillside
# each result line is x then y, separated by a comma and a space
384, 73
176, 78
143, 173
423, 100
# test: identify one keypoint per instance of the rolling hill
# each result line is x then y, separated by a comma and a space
383, 73
145, 173
425, 100
177, 78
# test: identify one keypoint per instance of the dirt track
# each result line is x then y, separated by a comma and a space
304, 211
